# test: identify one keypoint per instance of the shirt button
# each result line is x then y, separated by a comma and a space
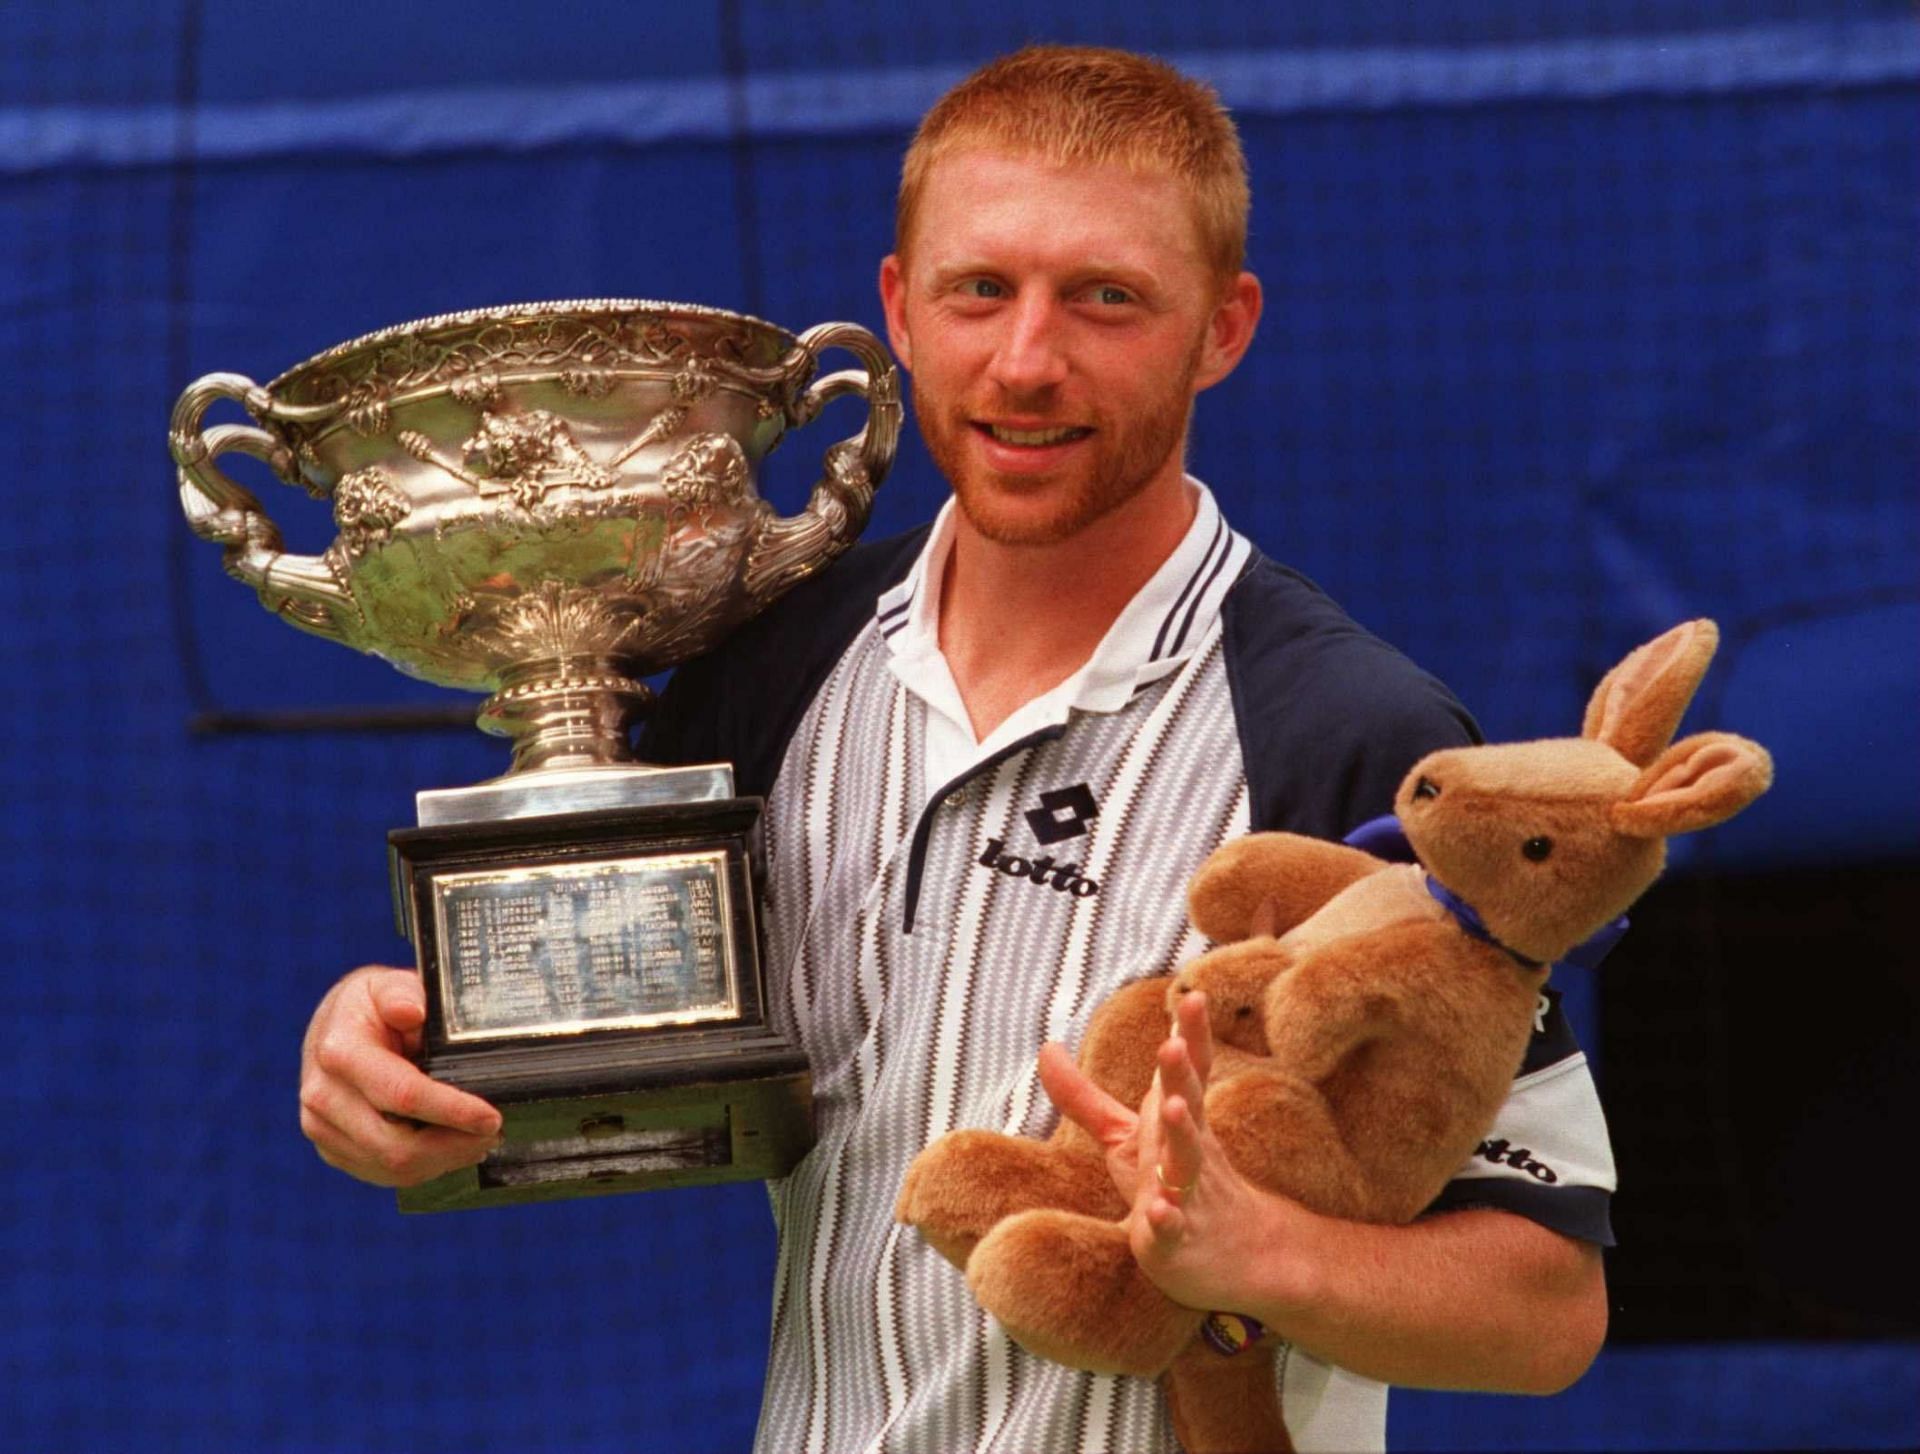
957, 798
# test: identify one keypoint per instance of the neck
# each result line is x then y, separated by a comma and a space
1017, 620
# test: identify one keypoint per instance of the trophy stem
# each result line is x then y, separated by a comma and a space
566, 712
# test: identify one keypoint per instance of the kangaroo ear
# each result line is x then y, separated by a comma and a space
1638, 705
1697, 782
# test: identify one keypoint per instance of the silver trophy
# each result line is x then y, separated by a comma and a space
547, 503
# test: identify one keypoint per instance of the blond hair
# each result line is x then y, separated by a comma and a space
1086, 104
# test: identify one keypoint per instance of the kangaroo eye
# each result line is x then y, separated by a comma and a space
1535, 850
1243, 1012
1426, 788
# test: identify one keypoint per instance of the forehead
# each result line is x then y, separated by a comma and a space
984, 205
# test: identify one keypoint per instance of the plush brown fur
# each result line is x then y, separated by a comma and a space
1365, 1042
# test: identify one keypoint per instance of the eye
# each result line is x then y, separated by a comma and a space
1535, 850
982, 288
1426, 788
1243, 1012
1108, 293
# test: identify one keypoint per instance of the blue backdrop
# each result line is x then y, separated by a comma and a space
1582, 319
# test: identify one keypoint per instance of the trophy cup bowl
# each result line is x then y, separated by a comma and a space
546, 503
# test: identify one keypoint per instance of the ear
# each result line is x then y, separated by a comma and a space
893, 302
1697, 782
1229, 331
1638, 705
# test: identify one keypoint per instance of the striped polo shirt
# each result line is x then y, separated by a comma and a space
937, 907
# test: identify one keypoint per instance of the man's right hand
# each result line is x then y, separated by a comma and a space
367, 1108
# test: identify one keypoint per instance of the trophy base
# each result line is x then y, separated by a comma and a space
650, 1140
596, 975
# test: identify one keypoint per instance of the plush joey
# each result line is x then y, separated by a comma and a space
1369, 1019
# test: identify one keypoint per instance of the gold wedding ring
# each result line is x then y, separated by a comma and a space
1160, 1175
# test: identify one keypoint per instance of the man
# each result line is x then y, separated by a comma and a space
993, 753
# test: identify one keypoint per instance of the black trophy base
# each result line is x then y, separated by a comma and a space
650, 1140
596, 975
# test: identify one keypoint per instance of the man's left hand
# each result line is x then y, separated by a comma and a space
1188, 1208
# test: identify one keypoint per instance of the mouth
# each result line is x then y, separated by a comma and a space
1031, 438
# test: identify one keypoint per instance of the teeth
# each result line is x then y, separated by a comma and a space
1033, 436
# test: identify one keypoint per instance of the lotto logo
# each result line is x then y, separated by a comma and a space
1065, 877
1063, 813
1504, 1153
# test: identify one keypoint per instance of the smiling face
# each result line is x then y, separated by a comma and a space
1057, 322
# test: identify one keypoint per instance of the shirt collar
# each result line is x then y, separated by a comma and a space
1154, 635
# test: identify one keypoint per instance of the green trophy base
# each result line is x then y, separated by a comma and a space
693, 1135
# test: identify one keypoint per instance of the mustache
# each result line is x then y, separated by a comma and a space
1023, 414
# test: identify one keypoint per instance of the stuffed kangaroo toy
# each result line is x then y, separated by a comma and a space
1368, 1019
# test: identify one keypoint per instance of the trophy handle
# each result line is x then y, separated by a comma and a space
786, 550
301, 588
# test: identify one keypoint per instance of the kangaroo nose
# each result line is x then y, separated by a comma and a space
1426, 788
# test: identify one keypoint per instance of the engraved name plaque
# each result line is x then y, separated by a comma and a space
623, 944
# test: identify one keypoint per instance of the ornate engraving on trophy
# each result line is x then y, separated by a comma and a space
552, 621
467, 353
553, 950
366, 410
587, 383
707, 469
696, 379
527, 455
366, 507
476, 390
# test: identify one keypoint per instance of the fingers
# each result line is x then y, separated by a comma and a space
400, 1000
367, 1108
1161, 1222
1182, 1153
395, 1087
1080, 1100
354, 1042
1193, 1026
1165, 1223
349, 1134
1180, 1077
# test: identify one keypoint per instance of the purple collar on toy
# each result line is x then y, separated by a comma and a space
1383, 837
1469, 919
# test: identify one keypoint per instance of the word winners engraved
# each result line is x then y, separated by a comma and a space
561, 948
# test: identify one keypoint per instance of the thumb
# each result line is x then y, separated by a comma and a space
398, 998
1080, 1100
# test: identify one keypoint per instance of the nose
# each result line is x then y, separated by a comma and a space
1030, 356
